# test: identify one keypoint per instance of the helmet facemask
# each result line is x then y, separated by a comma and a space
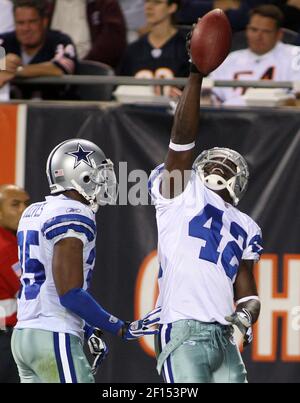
103, 185
236, 184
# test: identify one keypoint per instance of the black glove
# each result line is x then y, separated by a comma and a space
97, 348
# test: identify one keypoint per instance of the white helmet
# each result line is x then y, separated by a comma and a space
236, 184
80, 165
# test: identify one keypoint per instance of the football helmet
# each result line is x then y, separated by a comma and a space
80, 165
236, 184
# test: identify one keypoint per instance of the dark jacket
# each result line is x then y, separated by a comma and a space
107, 28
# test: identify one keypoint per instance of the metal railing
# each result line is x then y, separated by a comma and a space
121, 80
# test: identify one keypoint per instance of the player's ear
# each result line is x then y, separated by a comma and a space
45, 22
173, 8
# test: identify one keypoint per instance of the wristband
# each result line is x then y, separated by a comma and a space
181, 147
245, 299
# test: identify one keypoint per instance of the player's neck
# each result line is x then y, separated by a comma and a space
224, 195
74, 195
161, 33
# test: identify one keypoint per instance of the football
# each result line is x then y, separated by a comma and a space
211, 41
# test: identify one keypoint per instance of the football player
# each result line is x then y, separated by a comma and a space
206, 249
56, 240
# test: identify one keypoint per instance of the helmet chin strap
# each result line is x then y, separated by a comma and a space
216, 182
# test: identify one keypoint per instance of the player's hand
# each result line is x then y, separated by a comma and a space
143, 327
193, 67
188, 42
242, 319
97, 348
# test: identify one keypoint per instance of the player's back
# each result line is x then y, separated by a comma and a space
42, 225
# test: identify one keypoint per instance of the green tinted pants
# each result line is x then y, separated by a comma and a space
197, 352
49, 357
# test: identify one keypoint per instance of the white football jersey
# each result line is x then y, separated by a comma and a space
201, 241
282, 63
42, 225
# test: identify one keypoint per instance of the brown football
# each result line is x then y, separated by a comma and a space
211, 41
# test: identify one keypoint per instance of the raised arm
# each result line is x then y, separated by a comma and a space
208, 45
180, 155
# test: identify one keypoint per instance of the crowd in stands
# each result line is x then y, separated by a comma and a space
142, 38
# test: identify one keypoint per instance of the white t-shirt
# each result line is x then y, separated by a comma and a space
42, 225
282, 63
7, 23
70, 17
201, 241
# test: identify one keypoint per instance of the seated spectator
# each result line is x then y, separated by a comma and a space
161, 53
99, 31
266, 57
33, 51
6, 16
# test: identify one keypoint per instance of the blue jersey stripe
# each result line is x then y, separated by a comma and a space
69, 218
65, 228
154, 174
58, 358
70, 359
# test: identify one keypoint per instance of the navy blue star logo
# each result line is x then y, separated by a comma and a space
81, 155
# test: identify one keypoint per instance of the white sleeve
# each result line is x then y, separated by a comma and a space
254, 246
67, 222
158, 200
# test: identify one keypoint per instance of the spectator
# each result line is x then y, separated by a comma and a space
100, 30
13, 202
33, 51
6, 16
161, 53
266, 57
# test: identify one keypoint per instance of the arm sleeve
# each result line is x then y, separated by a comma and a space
83, 304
